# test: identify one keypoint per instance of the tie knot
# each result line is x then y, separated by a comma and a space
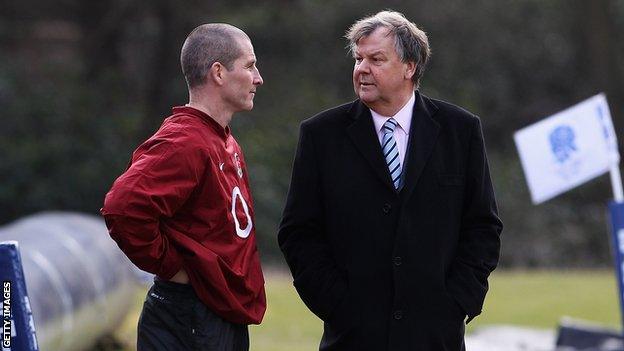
389, 126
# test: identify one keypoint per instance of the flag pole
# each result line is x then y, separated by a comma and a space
616, 183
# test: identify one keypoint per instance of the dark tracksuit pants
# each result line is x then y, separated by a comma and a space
173, 318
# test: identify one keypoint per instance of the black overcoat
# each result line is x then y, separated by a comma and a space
387, 269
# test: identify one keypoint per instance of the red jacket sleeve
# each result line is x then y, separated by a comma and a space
163, 173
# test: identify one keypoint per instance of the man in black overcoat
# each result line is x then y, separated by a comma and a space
390, 228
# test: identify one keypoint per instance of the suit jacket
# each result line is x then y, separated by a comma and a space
387, 269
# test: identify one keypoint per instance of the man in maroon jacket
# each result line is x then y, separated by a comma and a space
183, 208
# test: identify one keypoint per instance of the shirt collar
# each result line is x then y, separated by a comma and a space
223, 132
403, 117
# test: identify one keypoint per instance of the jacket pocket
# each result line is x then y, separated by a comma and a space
454, 307
450, 179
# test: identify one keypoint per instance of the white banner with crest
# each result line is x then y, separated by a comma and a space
568, 148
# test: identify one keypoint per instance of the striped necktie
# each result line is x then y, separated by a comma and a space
391, 151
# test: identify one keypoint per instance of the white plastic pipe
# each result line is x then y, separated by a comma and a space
616, 183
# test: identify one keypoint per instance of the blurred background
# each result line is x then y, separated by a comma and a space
82, 83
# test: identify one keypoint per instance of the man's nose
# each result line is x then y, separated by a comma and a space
258, 78
362, 67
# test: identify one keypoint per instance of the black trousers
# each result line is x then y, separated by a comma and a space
173, 318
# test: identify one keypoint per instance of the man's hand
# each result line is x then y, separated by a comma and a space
180, 277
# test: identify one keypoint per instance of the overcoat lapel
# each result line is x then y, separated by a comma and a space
362, 133
423, 135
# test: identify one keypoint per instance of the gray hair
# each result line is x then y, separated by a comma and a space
410, 42
205, 45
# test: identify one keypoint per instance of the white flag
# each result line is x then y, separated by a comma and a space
568, 148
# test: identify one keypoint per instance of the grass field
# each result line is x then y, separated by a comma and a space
536, 299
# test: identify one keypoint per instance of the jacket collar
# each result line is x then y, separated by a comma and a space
223, 133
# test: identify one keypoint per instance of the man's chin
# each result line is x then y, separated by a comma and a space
367, 98
249, 106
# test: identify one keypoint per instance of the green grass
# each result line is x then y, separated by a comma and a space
540, 299
528, 298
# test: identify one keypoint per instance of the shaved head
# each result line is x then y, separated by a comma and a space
207, 44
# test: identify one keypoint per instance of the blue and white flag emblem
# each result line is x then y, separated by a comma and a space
562, 143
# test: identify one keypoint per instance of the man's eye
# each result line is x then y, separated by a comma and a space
358, 59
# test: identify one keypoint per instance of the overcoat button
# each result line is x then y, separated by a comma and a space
397, 261
398, 314
386, 208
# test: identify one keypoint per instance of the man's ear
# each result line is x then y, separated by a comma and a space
216, 73
410, 70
